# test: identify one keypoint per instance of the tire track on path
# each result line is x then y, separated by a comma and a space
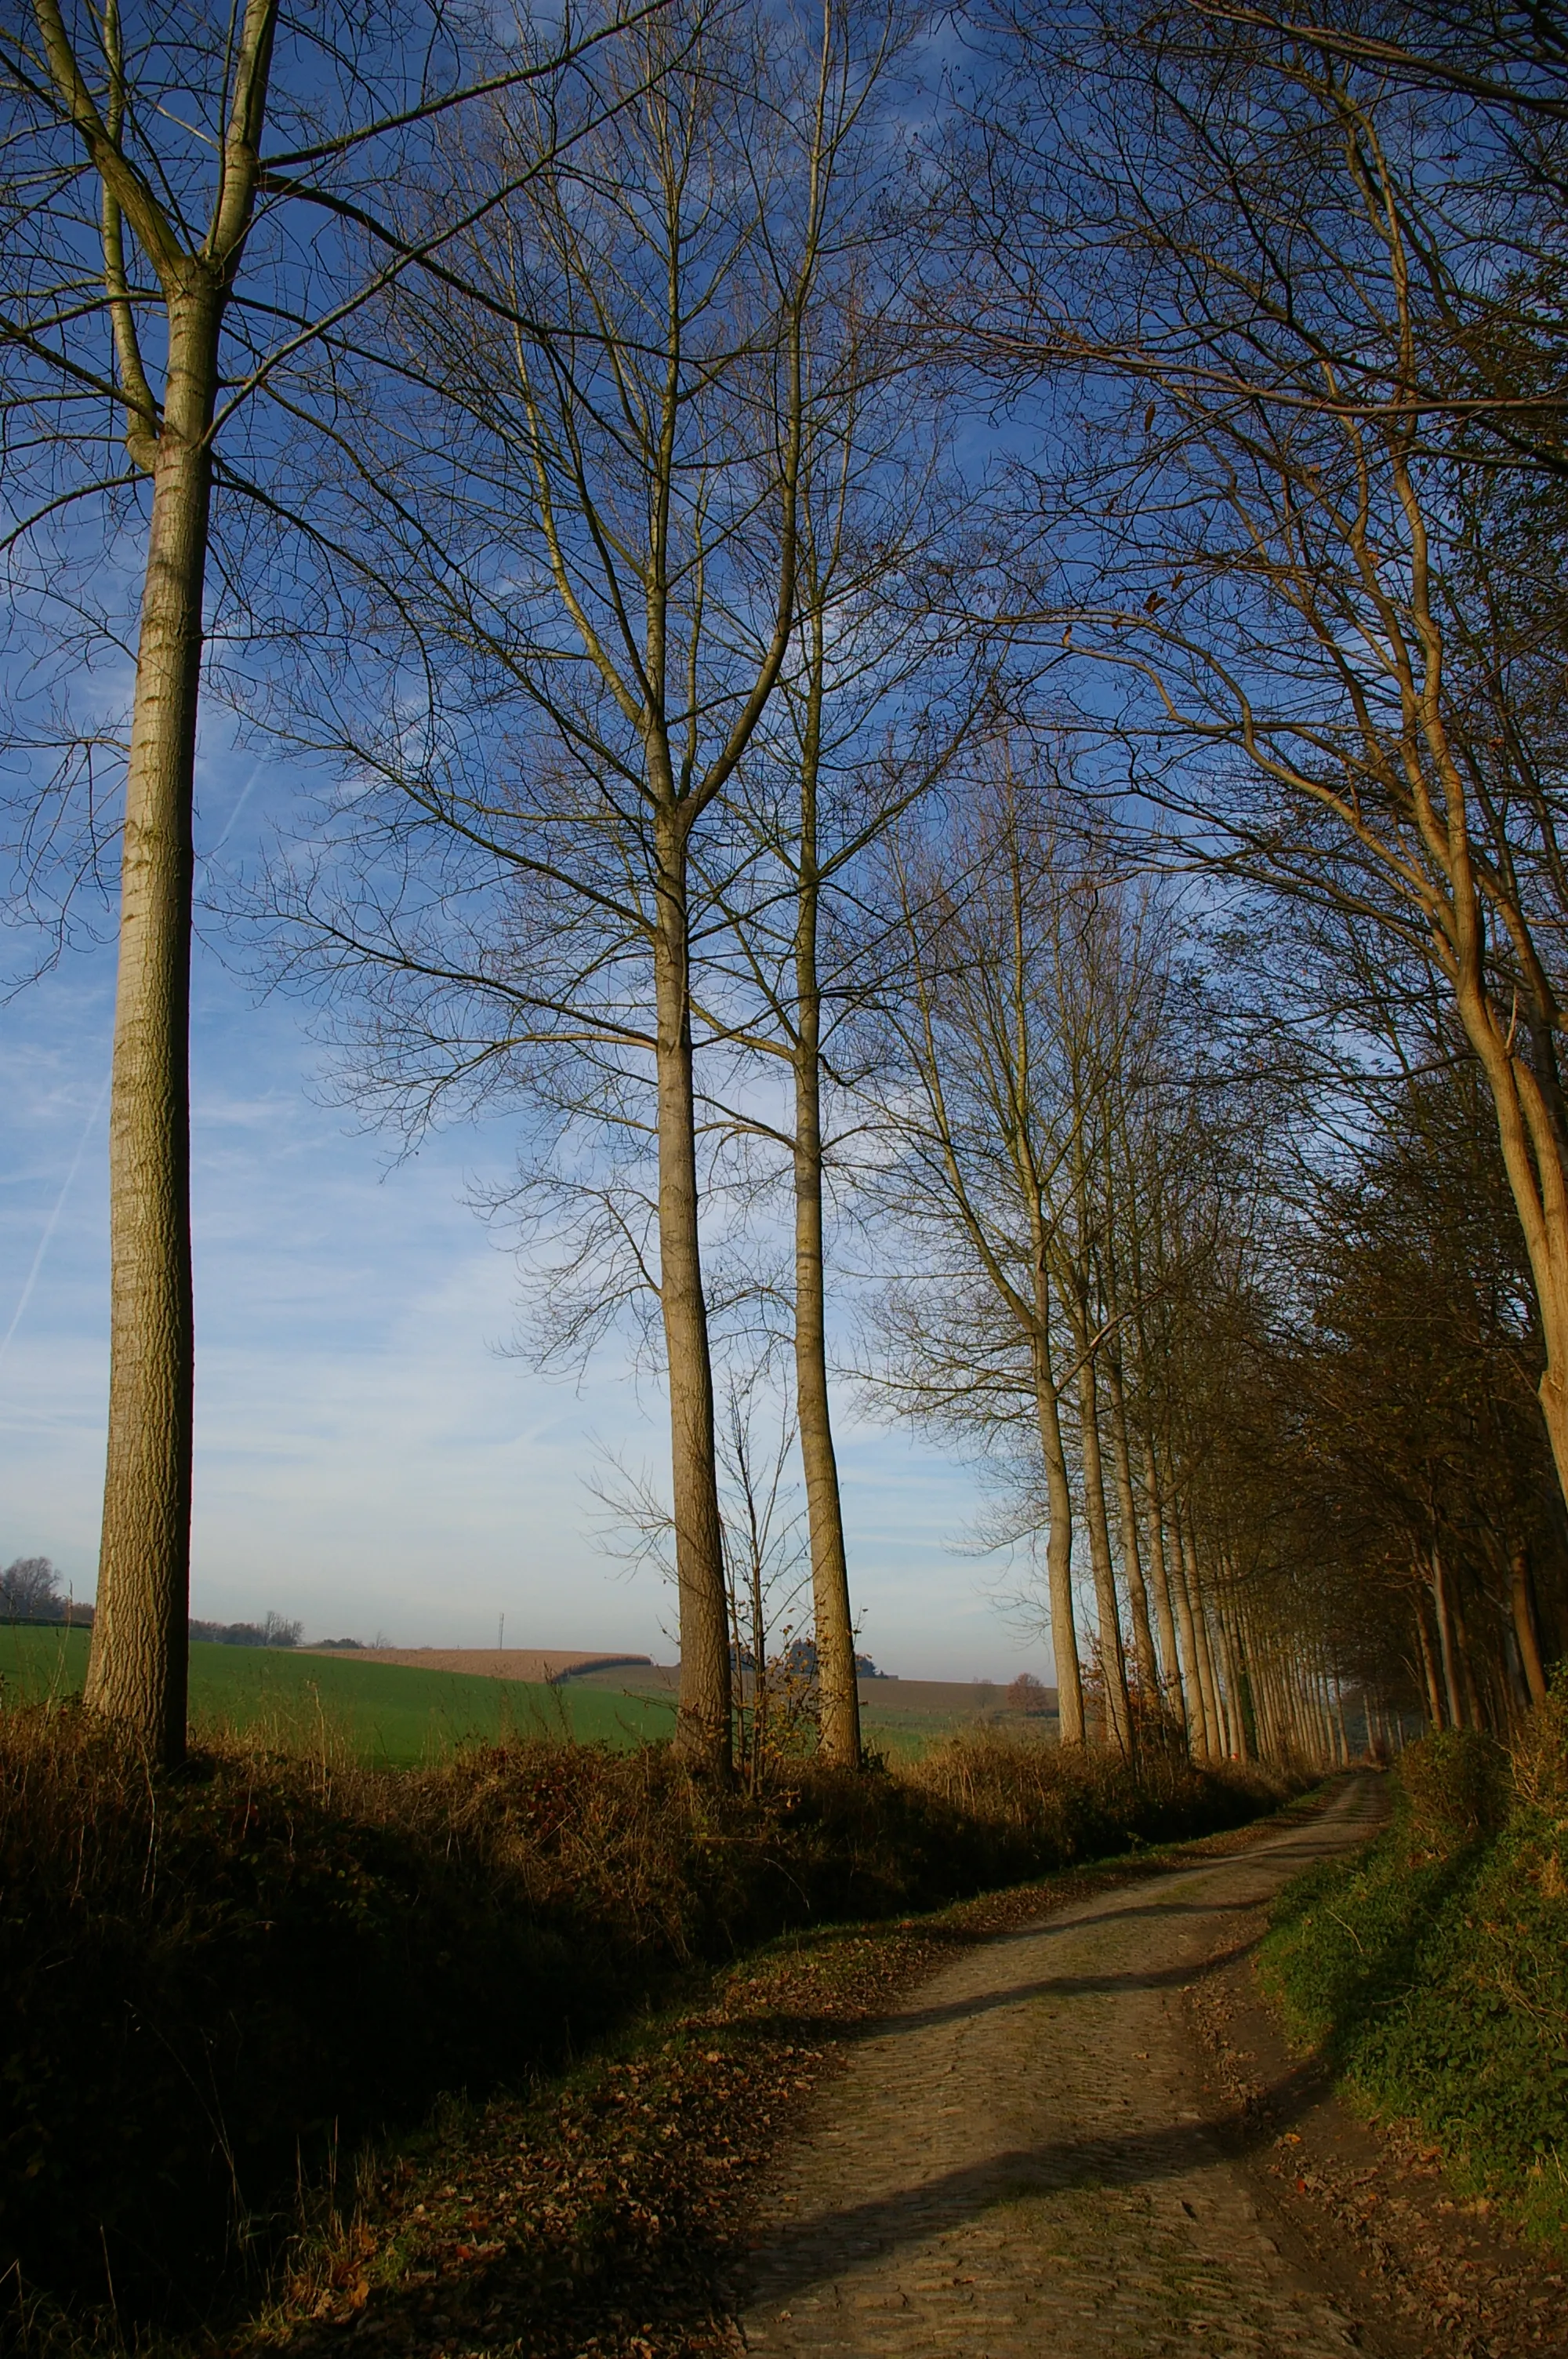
1017, 2161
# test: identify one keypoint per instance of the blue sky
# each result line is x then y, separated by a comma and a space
368, 1457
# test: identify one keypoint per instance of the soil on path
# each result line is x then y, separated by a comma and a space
1019, 2159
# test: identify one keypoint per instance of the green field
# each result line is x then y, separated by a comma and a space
391, 1715
902, 1719
904, 1736
382, 1712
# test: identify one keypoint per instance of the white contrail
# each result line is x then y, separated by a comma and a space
59, 1206
244, 797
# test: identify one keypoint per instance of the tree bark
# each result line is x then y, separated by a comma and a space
1266, 1686
1523, 1610
1059, 1540
1318, 1704
1225, 1693
1445, 1645
1136, 1589
703, 1720
1428, 1665
1464, 1659
1157, 1567
1214, 1731
839, 1697
1528, 1106
1271, 1739
137, 1670
1197, 1701
1229, 1659
1113, 1658
1285, 1705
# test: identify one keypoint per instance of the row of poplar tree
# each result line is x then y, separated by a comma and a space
952, 622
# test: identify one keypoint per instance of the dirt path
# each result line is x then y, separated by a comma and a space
1019, 2161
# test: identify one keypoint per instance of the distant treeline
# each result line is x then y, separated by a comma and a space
800, 1657
274, 1632
31, 1591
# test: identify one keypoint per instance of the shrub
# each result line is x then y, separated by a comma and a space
1541, 1759
1455, 1789
1055, 1805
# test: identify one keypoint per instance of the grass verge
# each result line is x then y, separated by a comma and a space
1433, 1968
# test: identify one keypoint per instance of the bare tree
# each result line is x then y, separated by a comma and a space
30, 1590
137, 173
1081, 1191
768, 1570
1317, 378
987, 1106
846, 751
591, 602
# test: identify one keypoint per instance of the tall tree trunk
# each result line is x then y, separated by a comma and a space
1428, 1665
702, 1726
1520, 1073
1464, 1656
1447, 1651
1213, 1702
1301, 1734
758, 1651
1199, 1738
1214, 1735
1312, 1714
1266, 1684
1271, 1740
136, 1670
1523, 1608
1266, 1678
1113, 1658
1225, 1694
1155, 1525
839, 1697
1059, 1503
1131, 1558
1230, 1664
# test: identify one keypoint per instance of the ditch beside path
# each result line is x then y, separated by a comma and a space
1019, 2158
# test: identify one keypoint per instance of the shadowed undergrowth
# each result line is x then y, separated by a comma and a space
216, 1985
